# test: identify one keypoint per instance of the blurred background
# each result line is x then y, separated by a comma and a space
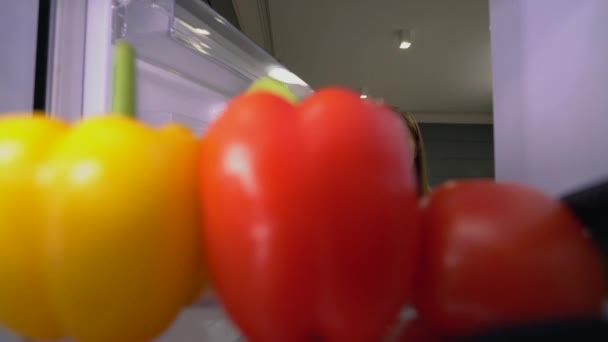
444, 78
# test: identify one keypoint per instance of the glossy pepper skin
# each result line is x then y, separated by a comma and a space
310, 216
24, 304
118, 229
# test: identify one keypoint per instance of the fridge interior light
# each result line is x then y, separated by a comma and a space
285, 76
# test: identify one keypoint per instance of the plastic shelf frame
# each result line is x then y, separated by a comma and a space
190, 39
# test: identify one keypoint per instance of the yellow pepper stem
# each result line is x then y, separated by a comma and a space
123, 90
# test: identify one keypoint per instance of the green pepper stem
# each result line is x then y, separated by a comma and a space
270, 85
123, 90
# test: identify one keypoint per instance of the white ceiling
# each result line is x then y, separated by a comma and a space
353, 43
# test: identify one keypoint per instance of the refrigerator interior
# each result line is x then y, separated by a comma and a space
189, 62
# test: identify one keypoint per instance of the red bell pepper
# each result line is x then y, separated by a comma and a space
311, 230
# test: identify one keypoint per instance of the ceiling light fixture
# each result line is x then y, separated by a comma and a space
405, 39
363, 92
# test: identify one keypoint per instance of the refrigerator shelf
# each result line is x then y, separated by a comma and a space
188, 38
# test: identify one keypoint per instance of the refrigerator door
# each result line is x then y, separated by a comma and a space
190, 60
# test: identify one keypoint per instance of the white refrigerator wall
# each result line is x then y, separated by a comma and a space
164, 97
550, 71
18, 31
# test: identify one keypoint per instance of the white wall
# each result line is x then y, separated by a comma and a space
550, 70
18, 29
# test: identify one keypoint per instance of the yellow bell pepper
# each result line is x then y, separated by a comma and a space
24, 302
99, 227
